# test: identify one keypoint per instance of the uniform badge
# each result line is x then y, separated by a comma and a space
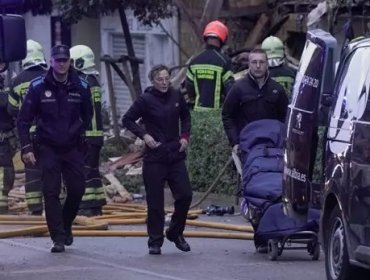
48, 93
275, 91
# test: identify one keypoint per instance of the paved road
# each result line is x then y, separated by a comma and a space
101, 258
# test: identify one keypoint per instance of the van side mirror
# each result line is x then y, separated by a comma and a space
12, 38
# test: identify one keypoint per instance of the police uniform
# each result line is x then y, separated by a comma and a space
161, 113
94, 197
208, 79
17, 93
62, 112
7, 150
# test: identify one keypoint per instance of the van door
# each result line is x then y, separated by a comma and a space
316, 71
349, 144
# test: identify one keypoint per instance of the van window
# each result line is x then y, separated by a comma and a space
354, 86
306, 88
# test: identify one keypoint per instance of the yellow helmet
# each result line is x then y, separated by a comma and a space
273, 47
83, 57
35, 55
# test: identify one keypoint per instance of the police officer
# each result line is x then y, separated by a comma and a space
34, 65
166, 117
94, 198
7, 148
209, 74
278, 69
60, 104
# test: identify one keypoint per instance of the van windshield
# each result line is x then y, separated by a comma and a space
306, 88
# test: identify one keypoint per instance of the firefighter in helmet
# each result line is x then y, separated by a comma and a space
83, 60
278, 68
209, 74
33, 66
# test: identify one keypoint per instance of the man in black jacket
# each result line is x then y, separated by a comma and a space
254, 97
60, 104
162, 108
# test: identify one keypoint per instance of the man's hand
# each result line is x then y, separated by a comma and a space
29, 158
184, 144
150, 142
236, 149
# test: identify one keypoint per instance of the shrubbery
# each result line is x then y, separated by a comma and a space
208, 153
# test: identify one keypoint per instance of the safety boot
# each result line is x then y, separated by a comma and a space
154, 250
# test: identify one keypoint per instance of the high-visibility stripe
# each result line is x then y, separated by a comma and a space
94, 133
190, 75
89, 190
32, 201
88, 197
33, 194
206, 66
100, 197
227, 76
12, 101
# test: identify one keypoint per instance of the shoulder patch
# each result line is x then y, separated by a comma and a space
84, 83
37, 81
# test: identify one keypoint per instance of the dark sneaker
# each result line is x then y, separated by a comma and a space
179, 241
57, 247
69, 239
154, 250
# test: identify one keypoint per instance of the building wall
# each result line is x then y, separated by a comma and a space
87, 32
159, 49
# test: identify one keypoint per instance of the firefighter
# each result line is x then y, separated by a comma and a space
166, 117
60, 105
34, 65
94, 198
209, 74
8, 145
278, 68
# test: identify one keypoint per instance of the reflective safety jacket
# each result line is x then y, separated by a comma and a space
208, 79
94, 133
19, 87
6, 120
285, 76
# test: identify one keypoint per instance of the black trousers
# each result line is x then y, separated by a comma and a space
94, 196
33, 187
155, 176
54, 164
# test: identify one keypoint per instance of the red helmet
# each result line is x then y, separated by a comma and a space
216, 29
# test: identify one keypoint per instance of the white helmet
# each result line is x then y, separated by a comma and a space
35, 55
83, 57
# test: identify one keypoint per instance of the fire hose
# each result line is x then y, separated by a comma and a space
121, 214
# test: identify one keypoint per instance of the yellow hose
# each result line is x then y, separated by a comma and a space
37, 230
142, 233
224, 226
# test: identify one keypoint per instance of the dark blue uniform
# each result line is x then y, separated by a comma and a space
161, 114
62, 113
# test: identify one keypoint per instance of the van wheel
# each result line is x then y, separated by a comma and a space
336, 260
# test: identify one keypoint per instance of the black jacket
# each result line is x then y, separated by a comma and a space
246, 103
62, 111
161, 114
6, 120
